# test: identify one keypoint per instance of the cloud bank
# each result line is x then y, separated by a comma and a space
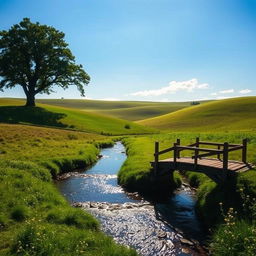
245, 91
174, 86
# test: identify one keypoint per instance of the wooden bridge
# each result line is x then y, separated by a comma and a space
218, 168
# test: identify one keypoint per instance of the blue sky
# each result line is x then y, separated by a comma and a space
157, 50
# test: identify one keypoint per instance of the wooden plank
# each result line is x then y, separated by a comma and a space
165, 151
200, 149
235, 148
207, 164
217, 144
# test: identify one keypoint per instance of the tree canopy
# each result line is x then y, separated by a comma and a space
37, 57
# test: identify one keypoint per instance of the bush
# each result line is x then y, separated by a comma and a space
127, 126
19, 213
234, 238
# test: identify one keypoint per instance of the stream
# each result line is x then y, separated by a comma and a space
159, 229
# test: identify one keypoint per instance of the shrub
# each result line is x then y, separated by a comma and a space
19, 213
127, 126
234, 238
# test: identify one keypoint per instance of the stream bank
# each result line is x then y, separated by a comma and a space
167, 228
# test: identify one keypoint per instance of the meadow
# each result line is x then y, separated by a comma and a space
12, 111
236, 114
128, 110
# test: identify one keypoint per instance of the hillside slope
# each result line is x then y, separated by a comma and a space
128, 110
12, 111
236, 114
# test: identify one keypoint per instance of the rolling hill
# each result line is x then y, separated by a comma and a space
236, 114
12, 111
128, 110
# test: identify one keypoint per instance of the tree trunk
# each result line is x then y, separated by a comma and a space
30, 100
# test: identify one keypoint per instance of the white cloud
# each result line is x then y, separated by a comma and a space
173, 87
226, 91
214, 93
245, 91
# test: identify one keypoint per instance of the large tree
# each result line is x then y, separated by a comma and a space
36, 57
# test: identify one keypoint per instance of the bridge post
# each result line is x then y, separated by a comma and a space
196, 152
175, 154
178, 152
225, 156
218, 155
156, 157
244, 151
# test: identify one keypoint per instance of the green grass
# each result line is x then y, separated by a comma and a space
35, 219
13, 112
55, 149
235, 238
128, 110
237, 114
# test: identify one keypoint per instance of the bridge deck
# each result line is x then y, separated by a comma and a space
187, 163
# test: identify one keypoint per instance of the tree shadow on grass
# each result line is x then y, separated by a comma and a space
31, 115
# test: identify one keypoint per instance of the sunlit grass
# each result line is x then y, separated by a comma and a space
13, 112
237, 114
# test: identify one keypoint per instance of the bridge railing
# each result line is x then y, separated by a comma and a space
222, 149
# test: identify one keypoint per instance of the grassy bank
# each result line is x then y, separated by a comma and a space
35, 219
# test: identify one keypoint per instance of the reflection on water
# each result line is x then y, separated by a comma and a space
152, 230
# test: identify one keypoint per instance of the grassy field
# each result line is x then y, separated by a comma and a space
12, 111
128, 110
237, 114
35, 219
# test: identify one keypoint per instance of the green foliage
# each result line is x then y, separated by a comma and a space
234, 238
127, 126
237, 114
36, 57
237, 235
19, 213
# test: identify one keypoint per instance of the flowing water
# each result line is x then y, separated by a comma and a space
169, 228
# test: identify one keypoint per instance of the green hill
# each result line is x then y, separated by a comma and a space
128, 110
12, 111
236, 114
